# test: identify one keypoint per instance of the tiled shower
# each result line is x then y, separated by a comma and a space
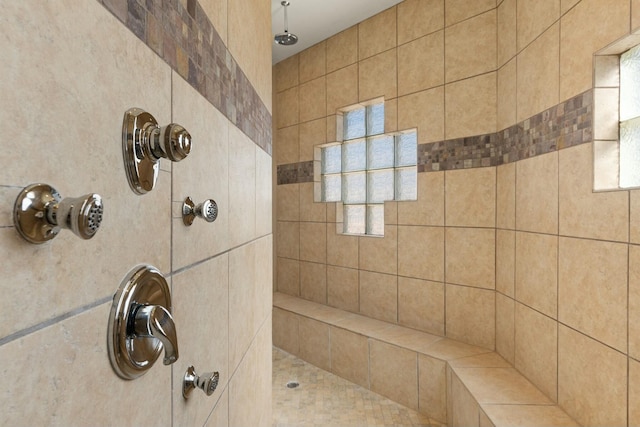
507, 247
71, 70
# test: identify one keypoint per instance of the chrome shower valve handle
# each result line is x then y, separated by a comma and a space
40, 213
144, 143
207, 382
207, 210
140, 323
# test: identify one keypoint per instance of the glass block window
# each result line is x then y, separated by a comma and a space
367, 168
630, 118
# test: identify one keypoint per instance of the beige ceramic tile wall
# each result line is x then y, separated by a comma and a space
562, 286
398, 54
76, 77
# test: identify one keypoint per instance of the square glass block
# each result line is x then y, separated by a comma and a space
354, 124
354, 156
331, 159
630, 84
407, 183
375, 220
379, 186
354, 187
407, 149
630, 153
354, 219
331, 188
380, 152
375, 119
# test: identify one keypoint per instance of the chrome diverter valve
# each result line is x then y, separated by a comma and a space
144, 143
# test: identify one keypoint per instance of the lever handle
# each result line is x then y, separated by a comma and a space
40, 213
155, 321
207, 382
207, 210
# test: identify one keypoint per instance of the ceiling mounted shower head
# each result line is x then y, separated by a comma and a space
286, 38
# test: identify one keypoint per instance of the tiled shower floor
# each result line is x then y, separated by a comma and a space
325, 400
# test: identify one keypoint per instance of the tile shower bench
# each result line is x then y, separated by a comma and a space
449, 381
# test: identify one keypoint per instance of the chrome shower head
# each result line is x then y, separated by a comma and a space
39, 213
82, 215
286, 38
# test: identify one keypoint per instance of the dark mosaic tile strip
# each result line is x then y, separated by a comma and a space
185, 38
295, 173
564, 125
561, 126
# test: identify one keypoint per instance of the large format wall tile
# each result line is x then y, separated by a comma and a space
53, 106
313, 62
250, 387
74, 354
417, 18
314, 343
478, 92
424, 111
471, 197
421, 64
350, 356
470, 255
506, 31
242, 188
342, 49
592, 289
538, 75
342, 89
578, 41
378, 76
536, 349
421, 252
506, 196
342, 288
204, 174
377, 34
286, 74
208, 281
599, 398
379, 296
421, 305
470, 315
505, 327
534, 17
313, 281
459, 10
505, 262
252, 48
429, 208
537, 194
584, 213
394, 372
470, 47
537, 272
634, 301
380, 254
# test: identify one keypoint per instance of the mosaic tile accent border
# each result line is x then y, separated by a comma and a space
295, 173
180, 32
564, 125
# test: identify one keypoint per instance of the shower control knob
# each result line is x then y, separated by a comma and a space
144, 143
40, 213
172, 142
207, 210
207, 382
